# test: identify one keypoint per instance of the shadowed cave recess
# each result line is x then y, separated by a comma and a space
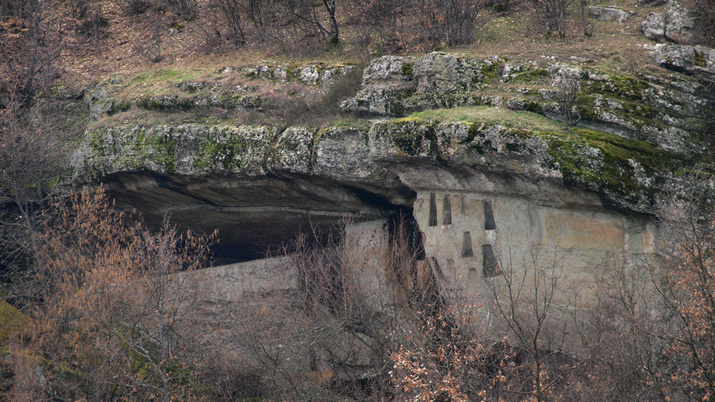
254, 217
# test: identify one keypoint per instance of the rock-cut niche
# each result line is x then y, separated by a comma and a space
432, 209
489, 223
467, 250
447, 210
491, 266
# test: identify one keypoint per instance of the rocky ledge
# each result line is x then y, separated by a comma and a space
258, 185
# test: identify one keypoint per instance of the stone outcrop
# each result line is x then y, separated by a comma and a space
653, 27
186, 95
641, 106
683, 58
676, 25
259, 184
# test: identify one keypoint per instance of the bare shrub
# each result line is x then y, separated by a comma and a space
704, 11
525, 300
29, 48
133, 7
112, 318
685, 282
232, 12
567, 84
150, 48
621, 332
187, 9
553, 14
651, 335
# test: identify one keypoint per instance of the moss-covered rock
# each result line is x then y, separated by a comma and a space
632, 106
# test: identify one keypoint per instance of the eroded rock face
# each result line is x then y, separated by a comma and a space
680, 23
628, 106
683, 58
258, 186
676, 25
653, 27
471, 236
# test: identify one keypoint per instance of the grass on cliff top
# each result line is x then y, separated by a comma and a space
489, 114
616, 147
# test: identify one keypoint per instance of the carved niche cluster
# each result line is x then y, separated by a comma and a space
461, 230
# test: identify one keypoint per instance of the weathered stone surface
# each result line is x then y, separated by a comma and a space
683, 58
384, 81
247, 280
609, 13
680, 24
629, 106
653, 27
677, 25
98, 103
481, 222
258, 185
441, 73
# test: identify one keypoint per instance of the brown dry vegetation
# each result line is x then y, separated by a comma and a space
202, 46
104, 313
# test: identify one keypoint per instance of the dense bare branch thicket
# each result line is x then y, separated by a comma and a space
685, 283
31, 36
553, 14
111, 320
652, 334
397, 24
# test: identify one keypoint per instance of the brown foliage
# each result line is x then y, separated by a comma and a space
113, 317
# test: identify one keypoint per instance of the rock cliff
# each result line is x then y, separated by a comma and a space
560, 134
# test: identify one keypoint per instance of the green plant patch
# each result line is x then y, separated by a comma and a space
622, 86
223, 150
160, 75
412, 135
11, 321
530, 75
590, 158
489, 114
700, 60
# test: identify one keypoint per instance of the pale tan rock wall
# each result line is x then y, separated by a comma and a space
578, 241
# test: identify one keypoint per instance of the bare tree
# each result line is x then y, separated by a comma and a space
553, 14
111, 305
31, 38
525, 300
685, 281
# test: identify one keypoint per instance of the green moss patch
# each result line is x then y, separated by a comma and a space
488, 114
700, 60
621, 86
599, 161
222, 150
160, 75
412, 135
530, 75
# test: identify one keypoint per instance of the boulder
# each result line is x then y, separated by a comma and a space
683, 58
676, 25
98, 103
383, 83
609, 13
653, 27
680, 24
439, 72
